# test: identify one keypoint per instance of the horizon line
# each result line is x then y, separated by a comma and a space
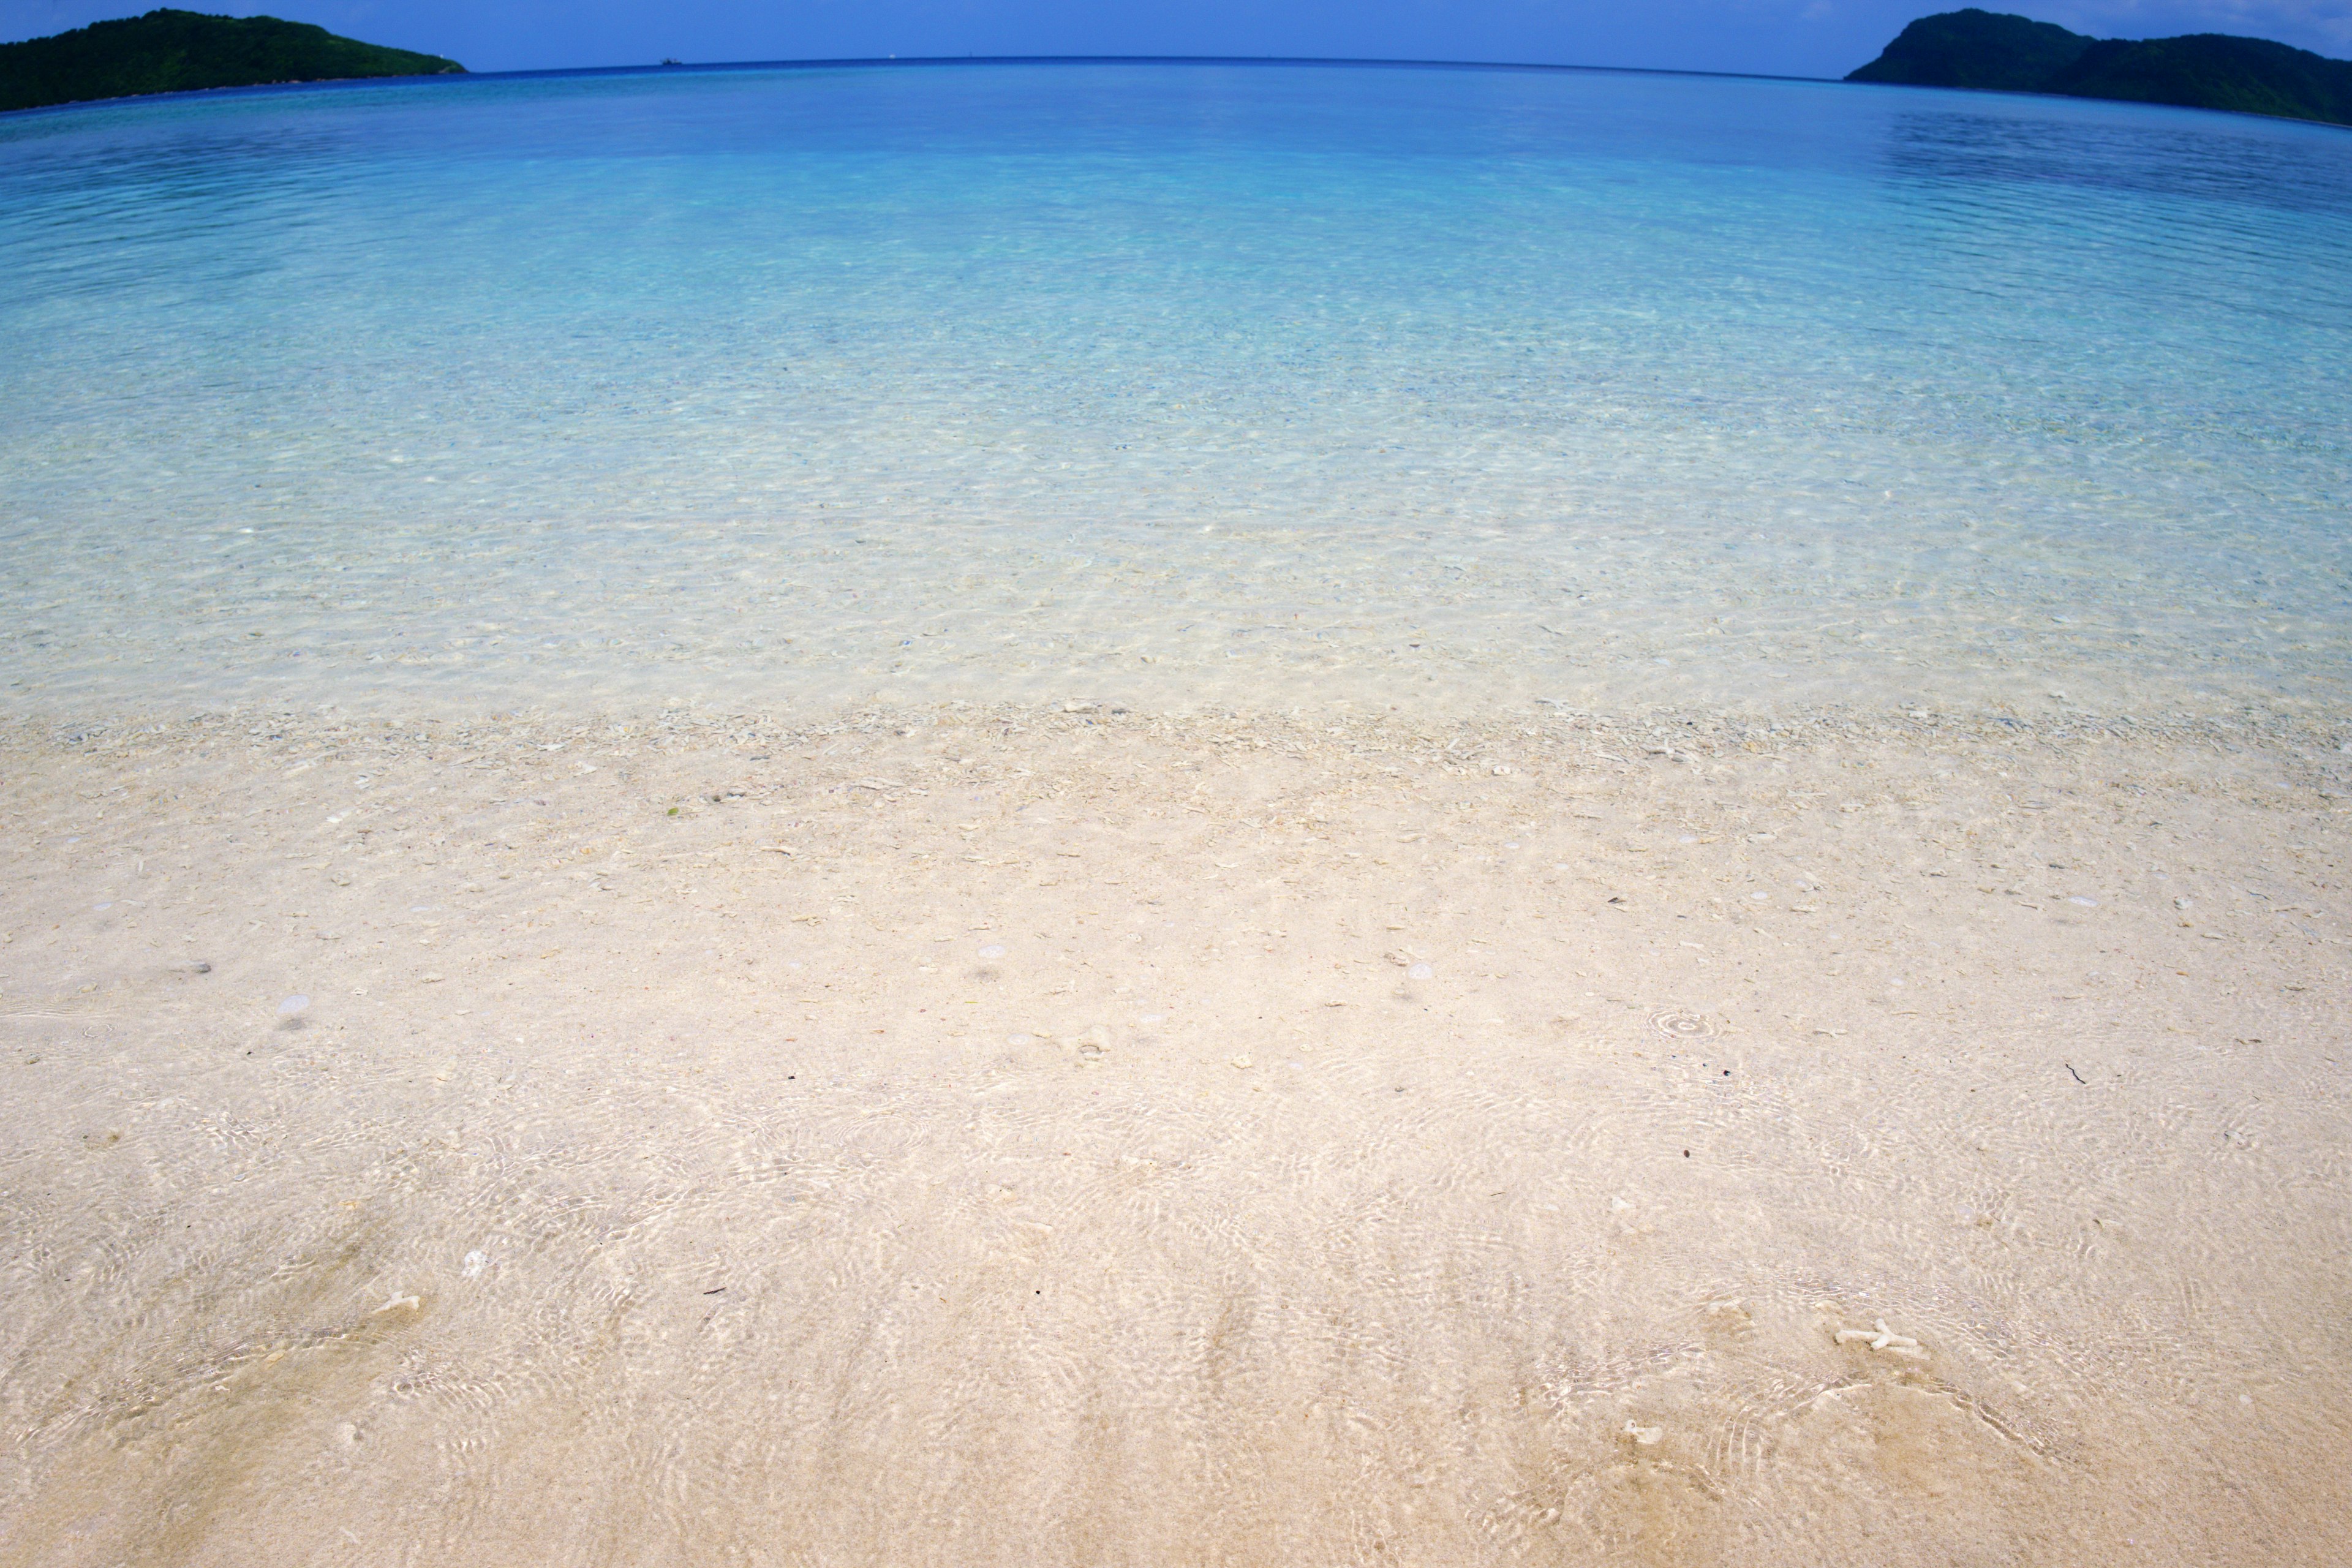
1378, 61
883, 61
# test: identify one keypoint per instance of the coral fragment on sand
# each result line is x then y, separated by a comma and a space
1882, 1338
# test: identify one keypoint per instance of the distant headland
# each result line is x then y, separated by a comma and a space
178, 51
2202, 70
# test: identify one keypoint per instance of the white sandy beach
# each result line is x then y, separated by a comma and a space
975, 1136
1161, 815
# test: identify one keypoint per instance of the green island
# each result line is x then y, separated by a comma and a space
180, 51
1984, 49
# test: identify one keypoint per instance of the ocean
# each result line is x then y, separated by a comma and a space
1229, 386
1026, 815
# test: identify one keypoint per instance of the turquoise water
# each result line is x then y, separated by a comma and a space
1245, 386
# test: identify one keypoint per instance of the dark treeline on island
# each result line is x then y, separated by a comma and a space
176, 51
2202, 70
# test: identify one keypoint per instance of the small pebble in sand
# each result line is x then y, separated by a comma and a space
293, 1004
1420, 971
2087, 903
1647, 1437
993, 949
476, 1262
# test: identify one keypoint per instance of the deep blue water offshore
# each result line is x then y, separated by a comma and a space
1189, 385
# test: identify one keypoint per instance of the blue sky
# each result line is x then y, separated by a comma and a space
1802, 37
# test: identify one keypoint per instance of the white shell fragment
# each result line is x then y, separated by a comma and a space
1882, 1338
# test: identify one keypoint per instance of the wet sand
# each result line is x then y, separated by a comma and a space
973, 1136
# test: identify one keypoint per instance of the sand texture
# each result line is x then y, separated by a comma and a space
972, 1136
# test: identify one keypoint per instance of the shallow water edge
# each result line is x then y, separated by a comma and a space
1072, 1136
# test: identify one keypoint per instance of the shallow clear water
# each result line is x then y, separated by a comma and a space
1190, 385
1450, 1136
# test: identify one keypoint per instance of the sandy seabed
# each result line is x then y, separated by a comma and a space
972, 1136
